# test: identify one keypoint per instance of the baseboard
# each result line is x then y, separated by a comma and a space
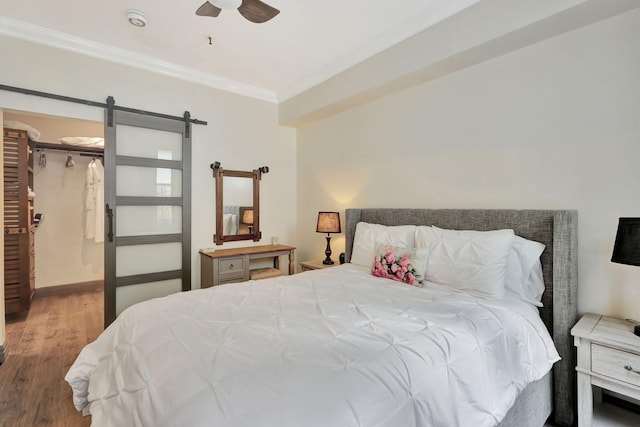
622, 403
72, 288
1, 354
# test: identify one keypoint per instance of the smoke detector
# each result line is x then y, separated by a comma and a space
137, 18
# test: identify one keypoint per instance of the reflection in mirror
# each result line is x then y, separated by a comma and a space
234, 219
238, 197
237, 204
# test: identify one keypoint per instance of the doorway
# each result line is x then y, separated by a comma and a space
117, 156
69, 252
66, 312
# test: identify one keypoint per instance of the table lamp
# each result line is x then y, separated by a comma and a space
626, 250
328, 222
247, 218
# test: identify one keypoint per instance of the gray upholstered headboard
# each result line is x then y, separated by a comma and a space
556, 229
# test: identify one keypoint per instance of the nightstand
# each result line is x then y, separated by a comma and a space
316, 264
608, 357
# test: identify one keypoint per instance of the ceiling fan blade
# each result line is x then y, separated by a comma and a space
207, 9
257, 11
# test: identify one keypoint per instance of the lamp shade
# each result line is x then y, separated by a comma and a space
328, 222
247, 216
626, 250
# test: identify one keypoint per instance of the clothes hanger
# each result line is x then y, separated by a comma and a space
70, 163
42, 160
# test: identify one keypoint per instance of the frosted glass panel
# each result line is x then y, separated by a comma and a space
126, 296
148, 220
154, 258
149, 143
148, 182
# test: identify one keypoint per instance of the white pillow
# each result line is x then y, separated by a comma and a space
470, 261
368, 236
229, 224
33, 133
88, 141
524, 270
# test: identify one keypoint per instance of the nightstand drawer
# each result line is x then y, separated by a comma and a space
231, 265
616, 364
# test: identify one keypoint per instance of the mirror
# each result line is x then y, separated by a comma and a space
237, 204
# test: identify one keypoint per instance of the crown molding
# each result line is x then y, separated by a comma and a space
36, 34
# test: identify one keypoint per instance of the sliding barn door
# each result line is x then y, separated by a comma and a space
147, 209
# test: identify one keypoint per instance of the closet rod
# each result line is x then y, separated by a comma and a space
95, 104
65, 147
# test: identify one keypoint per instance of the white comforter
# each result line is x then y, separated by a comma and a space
333, 347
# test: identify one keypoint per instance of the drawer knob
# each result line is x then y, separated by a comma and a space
630, 369
230, 266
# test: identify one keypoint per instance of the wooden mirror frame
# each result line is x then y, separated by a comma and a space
218, 174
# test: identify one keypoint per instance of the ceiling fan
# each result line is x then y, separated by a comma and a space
254, 10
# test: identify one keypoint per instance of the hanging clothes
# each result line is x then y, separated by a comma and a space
98, 177
94, 201
89, 204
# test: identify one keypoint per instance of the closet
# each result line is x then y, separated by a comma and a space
19, 266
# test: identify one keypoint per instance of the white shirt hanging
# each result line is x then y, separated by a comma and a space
94, 202
89, 204
98, 178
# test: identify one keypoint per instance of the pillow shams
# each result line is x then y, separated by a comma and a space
368, 236
405, 265
469, 261
524, 270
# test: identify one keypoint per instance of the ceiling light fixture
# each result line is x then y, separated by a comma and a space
227, 4
137, 18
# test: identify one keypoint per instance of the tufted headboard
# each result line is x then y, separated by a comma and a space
556, 229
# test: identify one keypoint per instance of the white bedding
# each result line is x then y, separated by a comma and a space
332, 347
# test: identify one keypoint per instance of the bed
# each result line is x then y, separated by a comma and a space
558, 231
334, 347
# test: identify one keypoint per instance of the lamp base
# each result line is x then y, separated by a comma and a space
328, 260
636, 330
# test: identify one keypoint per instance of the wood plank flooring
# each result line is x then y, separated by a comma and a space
40, 348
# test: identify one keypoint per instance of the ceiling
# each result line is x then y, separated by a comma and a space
306, 44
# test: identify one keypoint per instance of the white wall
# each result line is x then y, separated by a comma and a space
242, 133
63, 255
551, 126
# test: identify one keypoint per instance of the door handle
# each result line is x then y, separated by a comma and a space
109, 212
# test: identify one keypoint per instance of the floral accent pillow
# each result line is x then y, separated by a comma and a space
401, 264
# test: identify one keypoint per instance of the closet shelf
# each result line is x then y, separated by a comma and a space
36, 145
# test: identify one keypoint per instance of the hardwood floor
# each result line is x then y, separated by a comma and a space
40, 348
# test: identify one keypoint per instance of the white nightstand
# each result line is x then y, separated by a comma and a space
608, 357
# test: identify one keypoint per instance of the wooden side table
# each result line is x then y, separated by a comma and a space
234, 265
316, 264
608, 357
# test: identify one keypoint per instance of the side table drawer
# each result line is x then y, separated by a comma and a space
230, 270
616, 364
231, 265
